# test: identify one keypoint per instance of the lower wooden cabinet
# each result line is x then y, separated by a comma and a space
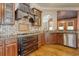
11, 49
48, 38
41, 39
60, 38
1, 51
55, 38
51, 38
8, 47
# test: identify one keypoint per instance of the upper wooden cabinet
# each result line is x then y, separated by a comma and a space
7, 11
66, 14
1, 12
67, 20
71, 25
61, 25
67, 25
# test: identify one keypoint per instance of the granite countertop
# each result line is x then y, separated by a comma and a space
34, 33
8, 36
27, 34
63, 31
51, 32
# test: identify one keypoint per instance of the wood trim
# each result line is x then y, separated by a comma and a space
14, 13
4, 7
2, 12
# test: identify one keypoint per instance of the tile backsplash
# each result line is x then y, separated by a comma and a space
8, 30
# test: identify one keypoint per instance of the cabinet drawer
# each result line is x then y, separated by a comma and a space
11, 40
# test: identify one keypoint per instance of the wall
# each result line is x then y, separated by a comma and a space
78, 29
46, 15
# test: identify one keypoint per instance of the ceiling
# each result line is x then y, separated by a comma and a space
57, 5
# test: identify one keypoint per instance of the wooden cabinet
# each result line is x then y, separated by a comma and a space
1, 50
66, 14
8, 47
55, 38
7, 13
69, 19
1, 42
62, 25
41, 39
60, 38
49, 38
67, 24
1, 12
71, 25
11, 49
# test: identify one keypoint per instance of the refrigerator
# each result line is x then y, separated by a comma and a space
70, 40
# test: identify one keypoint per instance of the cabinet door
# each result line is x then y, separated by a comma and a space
61, 25
54, 38
1, 12
39, 40
1, 51
60, 38
48, 38
1, 48
11, 49
42, 38
71, 25
8, 13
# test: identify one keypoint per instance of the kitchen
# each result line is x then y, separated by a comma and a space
39, 29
